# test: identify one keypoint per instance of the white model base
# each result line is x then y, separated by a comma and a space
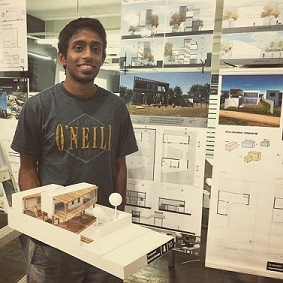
116, 244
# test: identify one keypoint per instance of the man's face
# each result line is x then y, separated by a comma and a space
84, 56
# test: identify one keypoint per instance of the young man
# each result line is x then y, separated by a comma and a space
74, 132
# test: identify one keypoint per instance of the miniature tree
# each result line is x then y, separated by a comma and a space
270, 11
175, 21
97, 212
280, 48
168, 52
115, 199
225, 47
148, 55
231, 16
154, 22
132, 29
271, 48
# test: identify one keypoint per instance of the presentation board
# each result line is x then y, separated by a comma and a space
246, 214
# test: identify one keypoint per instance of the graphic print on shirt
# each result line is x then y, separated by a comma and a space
84, 138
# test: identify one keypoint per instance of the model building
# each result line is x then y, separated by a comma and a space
63, 206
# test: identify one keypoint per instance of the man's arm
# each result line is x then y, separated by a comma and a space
28, 177
120, 179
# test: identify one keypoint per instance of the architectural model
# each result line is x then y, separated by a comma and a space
62, 206
101, 236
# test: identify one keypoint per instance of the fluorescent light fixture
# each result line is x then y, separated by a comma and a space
40, 56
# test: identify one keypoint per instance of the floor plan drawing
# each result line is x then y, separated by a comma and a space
13, 36
229, 198
13, 14
10, 37
276, 229
177, 162
236, 211
165, 184
141, 163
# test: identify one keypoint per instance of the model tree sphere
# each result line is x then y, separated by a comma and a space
97, 212
115, 199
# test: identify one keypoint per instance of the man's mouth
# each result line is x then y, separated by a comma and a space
86, 67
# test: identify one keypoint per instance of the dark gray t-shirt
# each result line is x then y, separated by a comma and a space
76, 140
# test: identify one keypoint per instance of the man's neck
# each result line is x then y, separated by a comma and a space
85, 90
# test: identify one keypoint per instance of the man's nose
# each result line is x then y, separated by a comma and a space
87, 52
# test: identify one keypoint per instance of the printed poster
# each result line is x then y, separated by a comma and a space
252, 33
246, 222
13, 39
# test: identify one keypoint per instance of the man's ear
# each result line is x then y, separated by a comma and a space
61, 58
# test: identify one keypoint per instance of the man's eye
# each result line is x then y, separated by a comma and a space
96, 49
78, 48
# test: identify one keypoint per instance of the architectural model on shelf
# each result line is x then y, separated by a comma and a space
99, 235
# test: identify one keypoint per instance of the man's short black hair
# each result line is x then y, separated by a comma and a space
76, 25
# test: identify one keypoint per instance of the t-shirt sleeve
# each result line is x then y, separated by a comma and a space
27, 137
